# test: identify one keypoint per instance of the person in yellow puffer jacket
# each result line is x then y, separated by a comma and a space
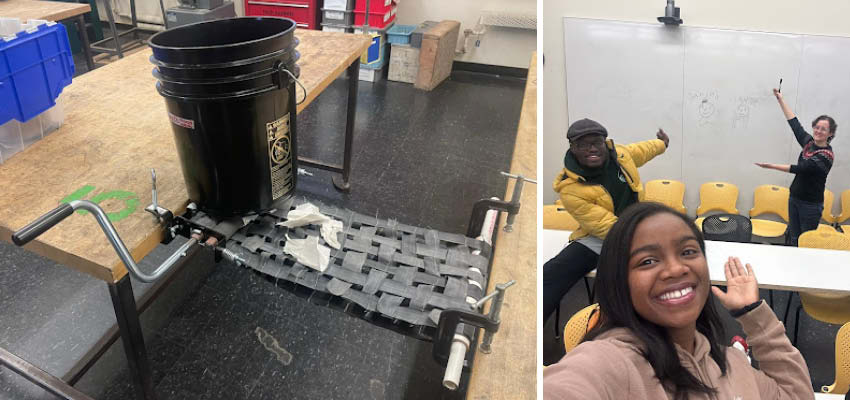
598, 182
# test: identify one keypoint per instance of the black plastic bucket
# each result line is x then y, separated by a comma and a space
229, 90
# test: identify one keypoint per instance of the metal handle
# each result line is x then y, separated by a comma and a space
50, 219
520, 180
42, 224
282, 68
495, 310
518, 177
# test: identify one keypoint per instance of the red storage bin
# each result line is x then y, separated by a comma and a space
376, 20
305, 13
376, 6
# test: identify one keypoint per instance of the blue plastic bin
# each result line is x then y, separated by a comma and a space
400, 34
34, 68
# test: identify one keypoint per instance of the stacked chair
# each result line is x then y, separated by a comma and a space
843, 219
842, 362
827, 217
773, 200
825, 307
578, 325
717, 197
667, 192
556, 217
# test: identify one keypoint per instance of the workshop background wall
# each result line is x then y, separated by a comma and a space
507, 47
826, 17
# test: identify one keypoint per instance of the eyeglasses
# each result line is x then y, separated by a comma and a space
599, 144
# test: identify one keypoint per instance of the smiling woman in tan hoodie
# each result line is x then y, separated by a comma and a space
659, 335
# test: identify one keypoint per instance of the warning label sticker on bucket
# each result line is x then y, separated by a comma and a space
280, 156
186, 123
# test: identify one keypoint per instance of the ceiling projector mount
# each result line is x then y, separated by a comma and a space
671, 14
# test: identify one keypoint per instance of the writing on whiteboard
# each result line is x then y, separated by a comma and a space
706, 105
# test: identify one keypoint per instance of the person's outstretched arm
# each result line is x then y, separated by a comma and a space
802, 136
784, 374
789, 114
778, 167
642, 152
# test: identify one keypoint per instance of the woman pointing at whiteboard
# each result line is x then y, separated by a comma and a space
805, 205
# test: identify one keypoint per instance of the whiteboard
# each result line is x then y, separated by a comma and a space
621, 84
731, 117
710, 89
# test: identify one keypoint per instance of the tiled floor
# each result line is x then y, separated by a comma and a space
422, 158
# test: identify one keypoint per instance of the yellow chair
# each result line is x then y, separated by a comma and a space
556, 217
832, 308
668, 192
577, 326
845, 211
716, 196
770, 199
828, 199
842, 362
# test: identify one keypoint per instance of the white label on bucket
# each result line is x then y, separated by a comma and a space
280, 156
186, 123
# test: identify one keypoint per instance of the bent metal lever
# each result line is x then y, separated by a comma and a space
47, 221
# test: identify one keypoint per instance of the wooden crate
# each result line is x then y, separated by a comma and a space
437, 54
404, 63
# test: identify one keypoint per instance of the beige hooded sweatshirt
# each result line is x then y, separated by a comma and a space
611, 367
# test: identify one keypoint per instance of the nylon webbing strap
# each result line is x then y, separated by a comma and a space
400, 271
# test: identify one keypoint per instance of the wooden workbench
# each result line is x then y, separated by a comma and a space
510, 371
116, 129
37, 9
52, 11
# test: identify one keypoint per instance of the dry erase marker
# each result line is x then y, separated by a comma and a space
780, 85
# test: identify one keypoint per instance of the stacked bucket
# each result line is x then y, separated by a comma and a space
229, 89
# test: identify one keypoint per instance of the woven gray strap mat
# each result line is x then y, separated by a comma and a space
403, 272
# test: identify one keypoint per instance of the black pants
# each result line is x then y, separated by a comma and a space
803, 216
563, 271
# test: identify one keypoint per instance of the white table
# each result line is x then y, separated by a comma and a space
776, 267
828, 396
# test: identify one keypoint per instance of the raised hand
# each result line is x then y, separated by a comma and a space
741, 286
777, 93
663, 136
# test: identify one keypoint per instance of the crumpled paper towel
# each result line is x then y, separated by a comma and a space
309, 252
309, 214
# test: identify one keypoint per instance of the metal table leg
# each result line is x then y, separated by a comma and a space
131, 336
84, 38
112, 27
341, 182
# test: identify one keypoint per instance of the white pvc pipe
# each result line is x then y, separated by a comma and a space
455, 365
491, 219
460, 343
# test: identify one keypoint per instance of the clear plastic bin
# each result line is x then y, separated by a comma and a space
16, 136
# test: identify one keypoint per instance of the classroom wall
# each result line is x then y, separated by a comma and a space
827, 17
499, 46
506, 47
